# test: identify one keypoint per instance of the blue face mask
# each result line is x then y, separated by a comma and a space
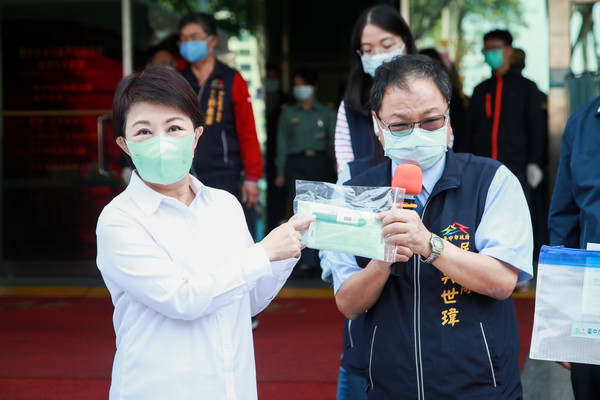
420, 147
194, 50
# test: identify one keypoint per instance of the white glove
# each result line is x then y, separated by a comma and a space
534, 175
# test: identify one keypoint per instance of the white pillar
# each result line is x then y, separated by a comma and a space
405, 10
126, 39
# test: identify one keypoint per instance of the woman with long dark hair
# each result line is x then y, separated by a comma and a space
380, 34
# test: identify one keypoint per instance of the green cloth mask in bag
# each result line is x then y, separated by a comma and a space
343, 230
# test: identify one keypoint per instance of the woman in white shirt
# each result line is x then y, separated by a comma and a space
181, 267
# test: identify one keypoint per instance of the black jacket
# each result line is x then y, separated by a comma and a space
520, 122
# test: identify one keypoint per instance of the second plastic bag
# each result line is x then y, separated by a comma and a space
345, 217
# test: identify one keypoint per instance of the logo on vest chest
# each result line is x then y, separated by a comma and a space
458, 234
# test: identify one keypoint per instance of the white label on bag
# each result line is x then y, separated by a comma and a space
585, 330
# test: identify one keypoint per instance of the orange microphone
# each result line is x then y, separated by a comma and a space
410, 178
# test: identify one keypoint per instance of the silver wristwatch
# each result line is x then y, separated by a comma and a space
437, 245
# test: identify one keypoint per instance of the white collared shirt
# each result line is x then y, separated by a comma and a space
184, 282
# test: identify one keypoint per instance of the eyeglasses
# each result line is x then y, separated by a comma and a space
405, 128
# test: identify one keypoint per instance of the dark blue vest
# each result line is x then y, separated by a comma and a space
218, 151
428, 337
359, 125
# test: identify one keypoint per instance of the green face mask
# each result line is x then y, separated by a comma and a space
162, 159
494, 58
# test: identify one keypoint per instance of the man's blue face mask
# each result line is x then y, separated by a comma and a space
194, 50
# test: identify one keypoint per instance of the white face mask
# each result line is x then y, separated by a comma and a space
371, 62
420, 147
303, 92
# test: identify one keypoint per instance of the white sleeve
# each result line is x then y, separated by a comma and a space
505, 231
266, 290
342, 266
132, 262
342, 140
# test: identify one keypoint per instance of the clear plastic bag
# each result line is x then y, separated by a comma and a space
345, 217
566, 324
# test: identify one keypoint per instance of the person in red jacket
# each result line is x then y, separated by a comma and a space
229, 156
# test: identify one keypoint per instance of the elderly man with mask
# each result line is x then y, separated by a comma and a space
440, 321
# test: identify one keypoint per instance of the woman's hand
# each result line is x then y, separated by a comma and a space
284, 241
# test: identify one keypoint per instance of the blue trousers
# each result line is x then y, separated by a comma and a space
350, 386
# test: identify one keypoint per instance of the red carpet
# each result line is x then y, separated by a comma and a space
55, 348
62, 348
298, 346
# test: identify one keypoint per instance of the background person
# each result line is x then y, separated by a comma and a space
169, 250
574, 219
161, 54
379, 34
505, 120
230, 157
458, 110
275, 99
538, 197
440, 321
305, 148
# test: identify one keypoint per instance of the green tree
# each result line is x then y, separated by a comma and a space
233, 15
426, 18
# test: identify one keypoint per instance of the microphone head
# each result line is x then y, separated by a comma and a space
409, 177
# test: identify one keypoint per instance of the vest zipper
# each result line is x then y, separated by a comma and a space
371, 359
417, 319
487, 349
350, 333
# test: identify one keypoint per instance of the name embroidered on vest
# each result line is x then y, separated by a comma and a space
423, 318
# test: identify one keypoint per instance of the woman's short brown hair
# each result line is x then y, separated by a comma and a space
159, 85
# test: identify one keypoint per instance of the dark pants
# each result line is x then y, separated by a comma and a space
585, 379
233, 185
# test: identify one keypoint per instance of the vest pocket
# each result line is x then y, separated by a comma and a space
489, 355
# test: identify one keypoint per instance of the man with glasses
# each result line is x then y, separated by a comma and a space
440, 322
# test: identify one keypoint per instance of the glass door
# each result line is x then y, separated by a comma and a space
60, 65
